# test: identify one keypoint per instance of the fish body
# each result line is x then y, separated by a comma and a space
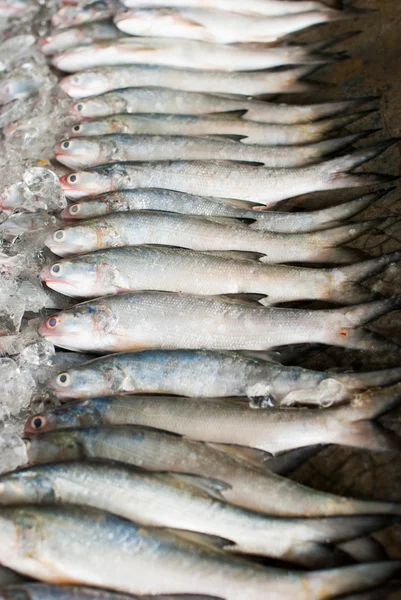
204, 234
225, 179
252, 83
152, 100
17, 87
162, 268
248, 483
221, 27
86, 152
185, 54
87, 12
162, 320
231, 421
164, 500
90, 547
85, 35
167, 200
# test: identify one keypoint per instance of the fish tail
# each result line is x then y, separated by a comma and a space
344, 233
345, 580
344, 280
333, 145
338, 39
336, 174
313, 555
351, 208
337, 256
344, 120
365, 549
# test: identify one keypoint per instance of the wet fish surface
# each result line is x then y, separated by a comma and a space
85, 35
88, 12
81, 546
162, 268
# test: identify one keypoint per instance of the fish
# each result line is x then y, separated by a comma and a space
81, 546
252, 83
203, 374
168, 200
229, 125
87, 12
189, 504
232, 421
248, 481
225, 179
86, 152
164, 320
206, 234
17, 87
221, 27
163, 268
151, 100
257, 7
85, 35
187, 54
45, 591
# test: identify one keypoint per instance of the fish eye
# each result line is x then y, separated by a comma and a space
63, 379
75, 79
52, 322
59, 236
74, 209
80, 106
66, 144
71, 178
77, 127
38, 422
7, 89
56, 269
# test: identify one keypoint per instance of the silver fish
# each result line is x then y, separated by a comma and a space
202, 374
223, 179
86, 152
85, 35
205, 233
87, 12
92, 547
221, 27
248, 481
162, 320
252, 83
164, 500
18, 87
167, 200
162, 268
164, 100
230, 124
187, 54
231, 421
257, 7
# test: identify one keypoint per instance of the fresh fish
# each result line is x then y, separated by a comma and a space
230, 124
87, 12
163, 320
162, 268
224, 179
167, 200
252, 83
91, 547
202, 374
248, 482
187, 54
86, 152
205, 233
257, 7
17, 87
8, 577
152, 100
231, 421
45, 591
221, 27
85, 35
164, 500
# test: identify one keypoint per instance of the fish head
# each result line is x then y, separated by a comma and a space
53, 446
85, 210
75, 278
80, 383
68, 416
25, 487
87, 128
79, 152
76, 239
86, 83
85, 183
11, 198
15, 88
83, 327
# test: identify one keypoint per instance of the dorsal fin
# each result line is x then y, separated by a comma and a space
233, 115
241, 299
212, 487
232, 137
257, 458
236, 255
211, 542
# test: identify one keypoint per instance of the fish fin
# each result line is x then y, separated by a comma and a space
241, 299
365, 549
236, 255
211, 542
344, 233
370, 436
338, 39
343, 121
232, 137
232, 115
256, 458
212, 487
336, 171
372, 403
351, 208
287, 462
315, 555
232, 221
242, 204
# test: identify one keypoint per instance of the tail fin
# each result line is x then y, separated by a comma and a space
322, 45
344, 280
332, 145
342, 121
365, 549
329, 238
336, 172
345, 580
